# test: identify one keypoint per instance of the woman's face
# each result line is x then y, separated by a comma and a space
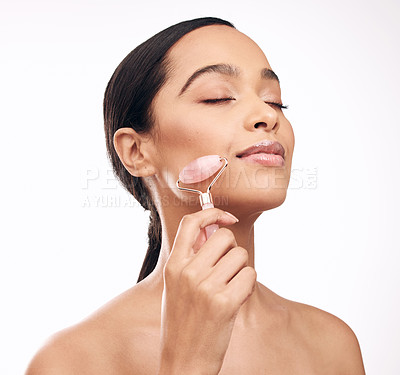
190, 123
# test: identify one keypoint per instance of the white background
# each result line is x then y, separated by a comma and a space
332, 244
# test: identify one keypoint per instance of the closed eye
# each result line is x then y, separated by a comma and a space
221, 100
279, 105
213, 101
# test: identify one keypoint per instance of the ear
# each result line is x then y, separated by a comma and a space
135, 152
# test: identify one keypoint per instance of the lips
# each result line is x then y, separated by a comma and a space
264, 147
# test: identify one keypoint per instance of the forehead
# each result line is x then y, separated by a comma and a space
213, 45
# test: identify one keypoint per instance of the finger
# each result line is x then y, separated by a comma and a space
229, 265
216, 247
189, 229
241, 286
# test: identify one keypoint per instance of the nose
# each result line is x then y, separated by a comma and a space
261, 116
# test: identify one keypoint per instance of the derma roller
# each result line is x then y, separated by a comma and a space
199, 170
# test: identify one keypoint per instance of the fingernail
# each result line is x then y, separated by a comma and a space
232, 216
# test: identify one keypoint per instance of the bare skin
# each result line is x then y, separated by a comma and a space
124, 336
266, 333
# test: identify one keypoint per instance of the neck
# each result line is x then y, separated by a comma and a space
244, 234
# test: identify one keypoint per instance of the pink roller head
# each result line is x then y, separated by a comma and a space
200, 169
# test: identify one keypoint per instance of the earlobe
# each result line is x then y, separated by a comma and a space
132, 151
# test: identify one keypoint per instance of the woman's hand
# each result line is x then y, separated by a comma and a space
203, 292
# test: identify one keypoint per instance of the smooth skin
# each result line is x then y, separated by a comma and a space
202, 310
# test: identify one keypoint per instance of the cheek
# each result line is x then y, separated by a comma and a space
292, 139
188, 135
287, 135
180, 140
290, 132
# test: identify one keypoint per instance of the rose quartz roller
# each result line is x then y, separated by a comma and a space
199, 170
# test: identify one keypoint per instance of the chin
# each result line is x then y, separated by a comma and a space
249, 201
269, 199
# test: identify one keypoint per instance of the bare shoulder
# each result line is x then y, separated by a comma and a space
104, 343
70, 351
330, 338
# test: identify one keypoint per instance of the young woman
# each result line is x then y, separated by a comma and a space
200, 88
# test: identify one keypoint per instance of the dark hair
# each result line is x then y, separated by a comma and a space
127, 103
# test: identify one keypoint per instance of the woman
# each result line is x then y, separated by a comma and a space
198, 88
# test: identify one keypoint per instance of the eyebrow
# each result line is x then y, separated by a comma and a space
225, 69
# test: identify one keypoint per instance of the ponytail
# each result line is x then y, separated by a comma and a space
154, 240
